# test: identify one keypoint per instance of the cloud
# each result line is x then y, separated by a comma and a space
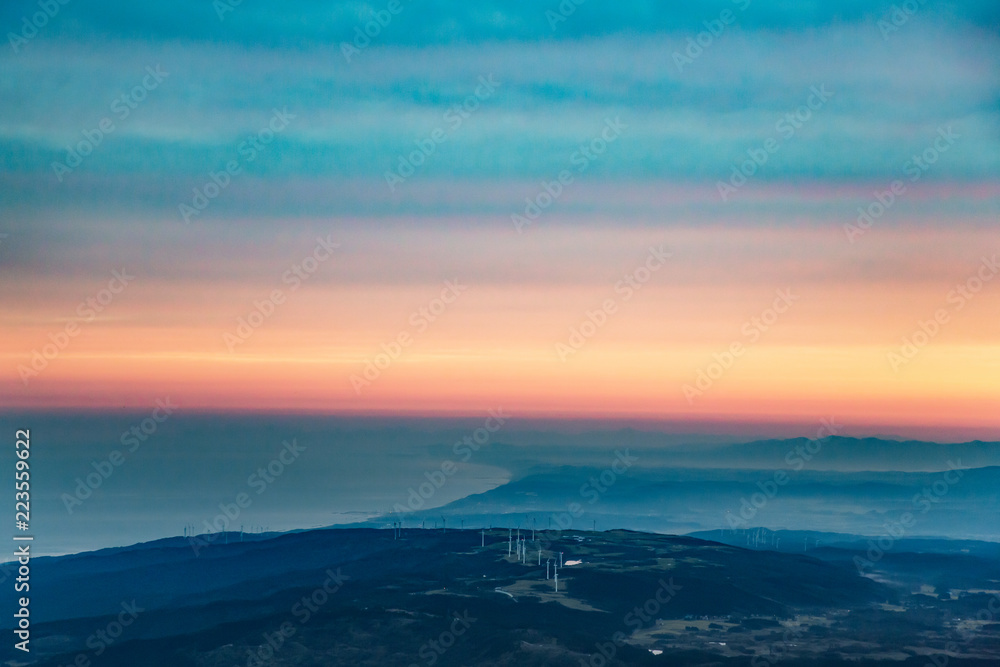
312, 23
353, 122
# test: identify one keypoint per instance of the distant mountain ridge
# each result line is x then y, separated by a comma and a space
957, 504
835, 453
857, 454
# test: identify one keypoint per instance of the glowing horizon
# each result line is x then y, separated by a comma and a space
507, 176
508, 336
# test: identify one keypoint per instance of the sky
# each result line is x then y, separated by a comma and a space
637, 212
